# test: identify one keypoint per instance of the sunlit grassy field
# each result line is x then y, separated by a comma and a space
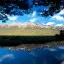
13, 31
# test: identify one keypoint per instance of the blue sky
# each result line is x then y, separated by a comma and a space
35, 17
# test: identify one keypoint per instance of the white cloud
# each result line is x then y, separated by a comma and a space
58, 17
12, 17
33, 17
59, 24
50, 23
11, 56
33, 20
61, 12
34, 14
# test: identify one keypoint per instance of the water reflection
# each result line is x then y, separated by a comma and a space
36, 56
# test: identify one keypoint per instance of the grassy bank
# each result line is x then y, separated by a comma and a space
16, 36
27, 32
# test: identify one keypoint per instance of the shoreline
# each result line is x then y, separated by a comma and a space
29, 47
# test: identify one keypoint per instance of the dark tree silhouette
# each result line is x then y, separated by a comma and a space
19, 7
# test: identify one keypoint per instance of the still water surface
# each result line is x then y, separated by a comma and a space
36, 56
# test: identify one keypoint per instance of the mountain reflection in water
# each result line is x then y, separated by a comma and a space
35, 56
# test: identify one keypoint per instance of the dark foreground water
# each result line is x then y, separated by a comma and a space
36, 56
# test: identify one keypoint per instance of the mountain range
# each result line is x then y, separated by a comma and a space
28, 25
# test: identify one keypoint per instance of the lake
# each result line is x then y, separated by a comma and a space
51, 55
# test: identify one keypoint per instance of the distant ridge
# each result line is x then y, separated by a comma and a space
21, 25
29, 25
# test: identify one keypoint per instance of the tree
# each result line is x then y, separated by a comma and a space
19, 7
